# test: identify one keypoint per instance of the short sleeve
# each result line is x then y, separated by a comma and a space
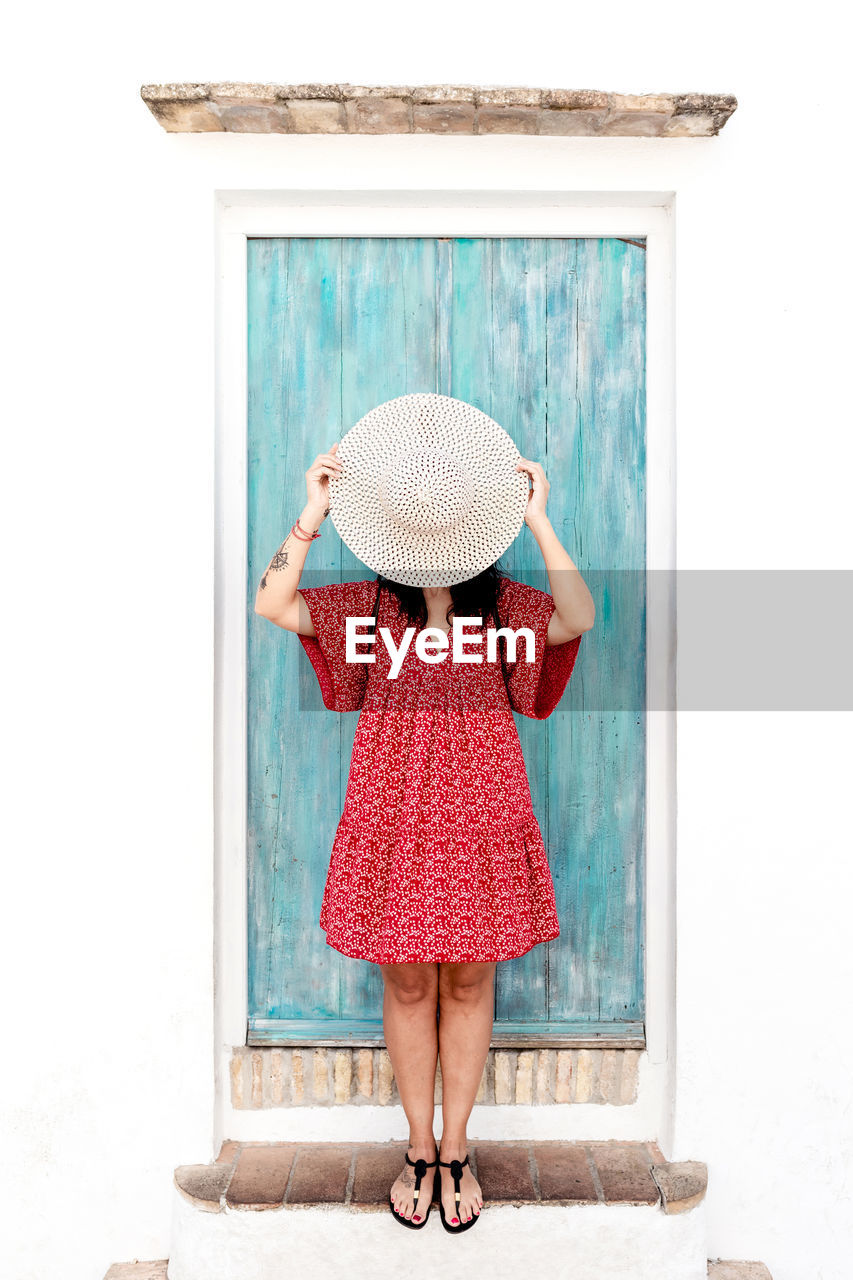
535, 687
342, 683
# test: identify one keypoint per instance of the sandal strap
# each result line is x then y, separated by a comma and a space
448, 1163
456, 1174
419, 1172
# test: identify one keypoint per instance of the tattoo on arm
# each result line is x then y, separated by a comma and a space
279, 561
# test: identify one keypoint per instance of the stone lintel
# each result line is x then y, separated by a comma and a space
246, 107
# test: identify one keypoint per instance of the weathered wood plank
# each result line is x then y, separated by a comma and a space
369, 1031
597, 779
294, 411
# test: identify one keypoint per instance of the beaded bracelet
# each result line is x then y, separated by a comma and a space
303, 534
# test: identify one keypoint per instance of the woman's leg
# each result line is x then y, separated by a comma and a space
466, 995
409, 1010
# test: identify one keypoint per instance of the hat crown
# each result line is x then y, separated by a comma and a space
426, 491
430, 493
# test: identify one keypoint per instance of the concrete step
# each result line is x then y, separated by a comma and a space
585, 1210
717, 1270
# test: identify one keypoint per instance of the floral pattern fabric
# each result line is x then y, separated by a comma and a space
438, 856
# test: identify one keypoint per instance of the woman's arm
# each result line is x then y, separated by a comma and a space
574, 610
278, 597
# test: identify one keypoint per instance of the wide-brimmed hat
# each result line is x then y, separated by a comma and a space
428, 495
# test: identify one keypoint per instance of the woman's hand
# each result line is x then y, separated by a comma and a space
574, 607
317, 480
538, 494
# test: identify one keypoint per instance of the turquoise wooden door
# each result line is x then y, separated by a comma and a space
548, 337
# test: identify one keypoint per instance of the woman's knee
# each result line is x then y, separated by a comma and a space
466, 981
411, 983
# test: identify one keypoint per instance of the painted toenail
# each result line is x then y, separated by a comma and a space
454, 1219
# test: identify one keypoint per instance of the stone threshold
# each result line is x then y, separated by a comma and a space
226, 107
279, 1175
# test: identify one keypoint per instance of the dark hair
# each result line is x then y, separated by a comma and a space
475, 598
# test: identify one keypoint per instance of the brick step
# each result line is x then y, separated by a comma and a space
586, 1210
256, 1175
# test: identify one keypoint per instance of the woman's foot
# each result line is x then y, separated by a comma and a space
403, 1190
471, 1199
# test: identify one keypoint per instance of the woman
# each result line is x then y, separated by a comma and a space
438, 869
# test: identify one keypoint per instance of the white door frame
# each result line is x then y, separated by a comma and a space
240, 214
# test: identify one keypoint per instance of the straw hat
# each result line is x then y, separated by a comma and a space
428, 495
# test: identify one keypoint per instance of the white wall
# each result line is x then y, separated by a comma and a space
107, 509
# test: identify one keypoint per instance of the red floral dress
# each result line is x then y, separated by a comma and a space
438, 857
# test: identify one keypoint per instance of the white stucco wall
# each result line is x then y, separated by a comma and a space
108, 506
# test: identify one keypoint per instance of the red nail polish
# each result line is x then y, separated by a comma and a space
454, 1219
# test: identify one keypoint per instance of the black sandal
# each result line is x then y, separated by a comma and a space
420, 1167
455, 1167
